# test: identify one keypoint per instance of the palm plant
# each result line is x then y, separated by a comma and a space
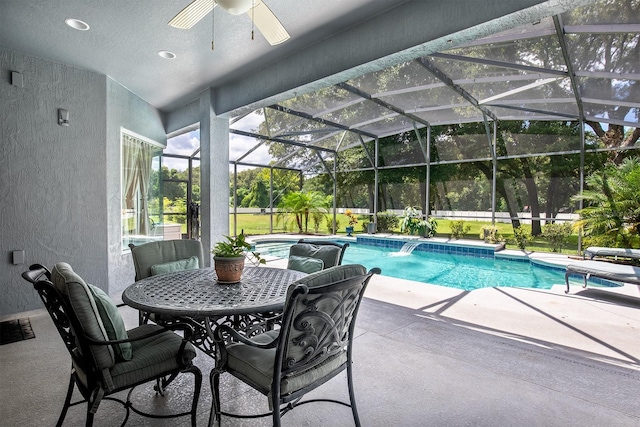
612, 204
300, 205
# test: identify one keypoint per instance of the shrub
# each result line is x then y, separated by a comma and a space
521, 237
330, 224
490, 234
557, 234
459, 229
387, 222
316, 218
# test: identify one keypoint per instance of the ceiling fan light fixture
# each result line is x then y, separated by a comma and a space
236, 7
77, 24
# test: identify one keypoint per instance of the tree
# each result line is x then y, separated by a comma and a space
301, 204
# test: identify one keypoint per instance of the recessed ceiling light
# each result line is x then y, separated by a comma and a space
77, 24
166, 54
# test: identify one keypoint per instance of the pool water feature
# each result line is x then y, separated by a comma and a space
408, 247
446, 269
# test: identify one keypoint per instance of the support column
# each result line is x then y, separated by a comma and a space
376, 182
428, 172
214, 149
582, 159
495, 173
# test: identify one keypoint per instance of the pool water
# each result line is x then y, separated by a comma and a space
455, 271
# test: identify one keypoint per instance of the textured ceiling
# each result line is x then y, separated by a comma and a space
126, 35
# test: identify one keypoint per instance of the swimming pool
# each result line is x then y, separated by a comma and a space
445, 269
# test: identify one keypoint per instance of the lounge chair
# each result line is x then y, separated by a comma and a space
595, 251
603, 270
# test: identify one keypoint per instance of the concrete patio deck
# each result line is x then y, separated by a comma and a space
424, 355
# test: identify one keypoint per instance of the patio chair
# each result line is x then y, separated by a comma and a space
310, 256
105, 357
314, 344
165, 256
161, 257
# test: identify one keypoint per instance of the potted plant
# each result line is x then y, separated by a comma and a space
229, 256
412, 223
353, 219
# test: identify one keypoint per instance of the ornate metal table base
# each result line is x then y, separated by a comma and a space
252, 306
249, 324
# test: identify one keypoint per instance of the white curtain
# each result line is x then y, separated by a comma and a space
136, 173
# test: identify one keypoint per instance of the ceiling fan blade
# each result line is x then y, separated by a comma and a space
268, 24
192, 14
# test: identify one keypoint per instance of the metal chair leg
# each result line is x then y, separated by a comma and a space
196, 393
352, 395
67, 402
214, 415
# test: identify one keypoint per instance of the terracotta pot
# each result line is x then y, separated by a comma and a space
228, 270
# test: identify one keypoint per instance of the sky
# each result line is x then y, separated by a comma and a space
186, 143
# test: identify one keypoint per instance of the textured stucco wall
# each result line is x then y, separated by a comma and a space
52, 178
124, 110
60, 186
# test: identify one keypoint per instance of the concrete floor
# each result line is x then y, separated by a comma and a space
424, 355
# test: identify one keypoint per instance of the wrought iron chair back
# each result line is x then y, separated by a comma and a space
314, 343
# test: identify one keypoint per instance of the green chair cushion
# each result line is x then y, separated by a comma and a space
330, 255
153, 253
305, 264
151, 356
74, 288
113, 322
190, 263
256, 365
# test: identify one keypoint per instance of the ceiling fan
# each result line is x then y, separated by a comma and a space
262, 17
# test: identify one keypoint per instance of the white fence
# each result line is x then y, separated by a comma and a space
502, 217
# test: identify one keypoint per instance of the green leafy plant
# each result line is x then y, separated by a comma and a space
612, 197
557, 234
459, 229
235, 247
412, 223
521, 237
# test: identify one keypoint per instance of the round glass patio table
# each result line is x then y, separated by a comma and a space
195, 297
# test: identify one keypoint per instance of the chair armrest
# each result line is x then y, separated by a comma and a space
188, 330
110, 342
236, 336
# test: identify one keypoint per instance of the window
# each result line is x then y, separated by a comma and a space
140, 166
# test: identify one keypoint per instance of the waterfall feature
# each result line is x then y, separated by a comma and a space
408, 247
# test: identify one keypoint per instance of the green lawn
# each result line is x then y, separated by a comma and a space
256, 224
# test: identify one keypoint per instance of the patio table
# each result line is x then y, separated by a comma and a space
195, 297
